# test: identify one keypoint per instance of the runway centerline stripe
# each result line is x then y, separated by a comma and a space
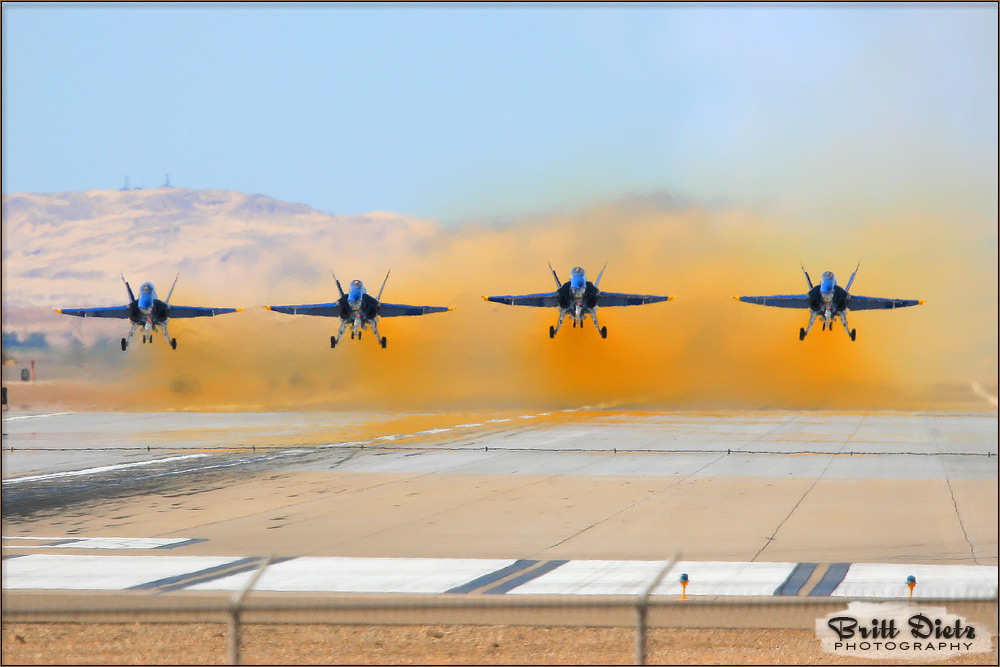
493, 576
834, 575
526, 577
198, 575
94, 471
796, 579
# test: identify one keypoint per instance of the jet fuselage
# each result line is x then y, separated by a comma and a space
578, 296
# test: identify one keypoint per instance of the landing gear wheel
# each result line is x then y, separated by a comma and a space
802, 334
854, 333
552, 333
352, 335
173, 343
124, 344
574, 324
333, 341
604, 332
383, 342
143, 340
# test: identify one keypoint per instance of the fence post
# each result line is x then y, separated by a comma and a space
640, 633
233, 639
641, 608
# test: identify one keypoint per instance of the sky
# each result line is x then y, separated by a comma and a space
817, 115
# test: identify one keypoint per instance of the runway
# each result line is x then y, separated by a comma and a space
573, 502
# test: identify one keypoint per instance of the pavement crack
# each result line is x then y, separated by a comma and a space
771, 538
954, 503
633, 504
961, 523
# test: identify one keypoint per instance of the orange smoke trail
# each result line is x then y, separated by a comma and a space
702, 350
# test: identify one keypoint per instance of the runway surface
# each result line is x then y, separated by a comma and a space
574, 502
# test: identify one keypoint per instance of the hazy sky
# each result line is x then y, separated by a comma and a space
489, 111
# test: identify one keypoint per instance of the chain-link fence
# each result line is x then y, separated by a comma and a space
640, 616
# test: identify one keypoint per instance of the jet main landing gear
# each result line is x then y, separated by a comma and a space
173, 343
802, 334
383, 342
854, 334
124, 344
604, 332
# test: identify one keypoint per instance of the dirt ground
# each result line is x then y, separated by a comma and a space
205, 643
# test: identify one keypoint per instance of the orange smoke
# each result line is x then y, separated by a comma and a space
702, 350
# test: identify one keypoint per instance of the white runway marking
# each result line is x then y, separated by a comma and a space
92, 471
363, 575
439, 575
622, 577
105, 573
49, 414
933, 581
98, 542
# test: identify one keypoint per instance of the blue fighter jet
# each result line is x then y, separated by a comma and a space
147, 312
358, 309
829, 300
578, 298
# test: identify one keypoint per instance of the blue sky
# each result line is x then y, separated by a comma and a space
455, 112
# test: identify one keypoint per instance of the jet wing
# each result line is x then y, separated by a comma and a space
400, 309
545, 300
778, 300
113, 312
318, 309
877, 303
195, 311
619, 299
